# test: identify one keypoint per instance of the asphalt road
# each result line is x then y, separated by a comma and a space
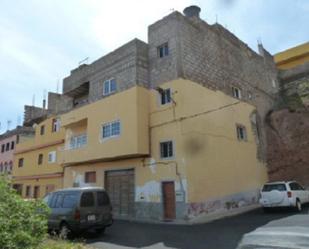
220, 234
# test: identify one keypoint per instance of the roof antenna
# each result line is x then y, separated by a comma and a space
57, 89
9, 122
83, 61
33, 100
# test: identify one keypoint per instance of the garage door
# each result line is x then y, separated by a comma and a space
120, 187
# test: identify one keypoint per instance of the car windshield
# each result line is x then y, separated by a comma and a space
270, 187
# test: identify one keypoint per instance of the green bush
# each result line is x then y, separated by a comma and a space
23, 224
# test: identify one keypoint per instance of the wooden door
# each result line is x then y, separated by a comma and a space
168, 189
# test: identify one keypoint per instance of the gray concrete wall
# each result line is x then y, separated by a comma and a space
127, 64
58, 103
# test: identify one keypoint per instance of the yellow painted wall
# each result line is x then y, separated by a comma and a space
209, 160
130, 107
30, 150
42, 183
292, 57
147, 178
202, 124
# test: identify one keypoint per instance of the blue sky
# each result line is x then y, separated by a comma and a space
41, 41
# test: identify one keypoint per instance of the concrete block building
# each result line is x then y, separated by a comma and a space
172, 128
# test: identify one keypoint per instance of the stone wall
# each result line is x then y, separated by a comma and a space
295, 87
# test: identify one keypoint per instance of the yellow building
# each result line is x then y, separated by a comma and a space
162, 154
37, 170
292, 57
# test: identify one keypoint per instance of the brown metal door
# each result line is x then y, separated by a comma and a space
120, 187
168, 189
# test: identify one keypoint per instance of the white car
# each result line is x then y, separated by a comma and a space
283, 194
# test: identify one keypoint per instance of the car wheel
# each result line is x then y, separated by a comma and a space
64, 231
100, 230
298, 206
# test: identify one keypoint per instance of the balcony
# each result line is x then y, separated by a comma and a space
111, 128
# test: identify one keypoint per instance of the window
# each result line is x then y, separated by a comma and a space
166, 149
236, 92
90, 177
111, 129
78, 141
12, 145
7, 147
28, 191
20, 162
102, 198
109, 87
249, 95
2, 148
40, 159
10, 166
36, 192
58, 201
165, 96
163, 50
42, 130
52, 156
69, 201
56, 125
17, 139
271, 187
87, 200
241, 133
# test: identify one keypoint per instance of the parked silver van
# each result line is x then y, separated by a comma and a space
75, 210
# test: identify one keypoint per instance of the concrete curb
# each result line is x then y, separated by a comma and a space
202, 218
102, 245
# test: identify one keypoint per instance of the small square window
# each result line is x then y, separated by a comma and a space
40, 159
111, 129
165, 96
241, 133
42, 130
21, 162
166, 149
163, 50
90, 177
236, 92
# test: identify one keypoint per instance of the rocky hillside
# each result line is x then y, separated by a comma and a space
288, 145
